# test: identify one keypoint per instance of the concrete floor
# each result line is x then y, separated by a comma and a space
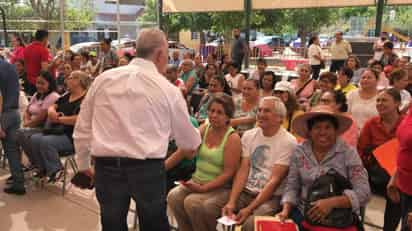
45, 209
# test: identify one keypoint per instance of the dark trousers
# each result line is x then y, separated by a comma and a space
336, 65
315, 71
392, 215
10, 121
238, 60
117, 180
406, 207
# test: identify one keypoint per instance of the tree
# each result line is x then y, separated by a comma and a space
78, 14
309, 21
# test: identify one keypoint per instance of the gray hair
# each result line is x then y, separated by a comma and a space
84, 79
147, 42
279, 107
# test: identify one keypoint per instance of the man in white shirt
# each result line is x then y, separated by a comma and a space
125, 123
340, 51
266, 151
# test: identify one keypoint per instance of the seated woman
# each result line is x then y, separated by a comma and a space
217, 161
377, 131
209, 72
246, 106
36, 113
337, 101
322, 152
267, 83
216, 85
327, 82
362, 101
57, 137
304, 85
399, 80
235, 79
353, 63
284, 91
345, 76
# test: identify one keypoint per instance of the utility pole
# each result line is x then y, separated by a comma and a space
248, 12
380, 4
160, 14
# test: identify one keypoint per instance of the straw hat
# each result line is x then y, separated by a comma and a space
300, 123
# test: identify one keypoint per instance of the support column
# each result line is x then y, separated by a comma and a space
380, 4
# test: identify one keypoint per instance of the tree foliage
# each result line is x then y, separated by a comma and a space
36, 14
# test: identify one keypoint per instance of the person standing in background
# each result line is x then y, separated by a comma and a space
340, 50
36, 58
239, 49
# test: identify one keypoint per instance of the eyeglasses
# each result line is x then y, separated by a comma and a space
72, 77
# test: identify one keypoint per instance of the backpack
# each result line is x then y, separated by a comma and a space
329, 185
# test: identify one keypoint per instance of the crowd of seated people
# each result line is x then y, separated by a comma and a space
341, 106
265, 141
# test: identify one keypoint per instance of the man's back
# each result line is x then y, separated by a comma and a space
34, 55
135, 108
9, 86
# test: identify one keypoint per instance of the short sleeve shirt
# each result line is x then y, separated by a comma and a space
264, 153
34, 55
68, 109
36, 106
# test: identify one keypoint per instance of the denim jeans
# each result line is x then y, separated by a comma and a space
10, 122
406, 207
24, 143
144, 182
45, 150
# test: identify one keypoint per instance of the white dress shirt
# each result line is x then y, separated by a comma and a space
132, 111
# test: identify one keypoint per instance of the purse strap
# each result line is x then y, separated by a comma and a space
303, 87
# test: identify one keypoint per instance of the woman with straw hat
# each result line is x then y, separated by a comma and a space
321, 152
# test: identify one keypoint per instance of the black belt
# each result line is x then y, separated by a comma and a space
124, 161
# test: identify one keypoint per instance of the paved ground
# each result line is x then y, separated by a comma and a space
45, 209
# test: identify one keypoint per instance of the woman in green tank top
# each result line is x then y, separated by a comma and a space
217, 161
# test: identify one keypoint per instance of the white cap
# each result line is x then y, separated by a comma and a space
284, 86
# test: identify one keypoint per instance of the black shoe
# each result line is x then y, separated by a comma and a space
28, 168
15, 190
9, 180
39, 174
55, 176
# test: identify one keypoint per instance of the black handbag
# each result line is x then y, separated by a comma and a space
53, 128
329, 185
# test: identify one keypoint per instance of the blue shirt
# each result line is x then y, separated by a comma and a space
9, 86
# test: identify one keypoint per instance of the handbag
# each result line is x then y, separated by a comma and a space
53, 128
322, 64
329, 185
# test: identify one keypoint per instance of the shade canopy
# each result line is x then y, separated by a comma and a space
175, 6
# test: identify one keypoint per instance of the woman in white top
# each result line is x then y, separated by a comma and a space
362, 101
399, 80
235, 80
315, 56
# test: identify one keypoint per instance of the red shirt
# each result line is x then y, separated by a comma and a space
374, 134
18, 53
404, 165
34, 55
